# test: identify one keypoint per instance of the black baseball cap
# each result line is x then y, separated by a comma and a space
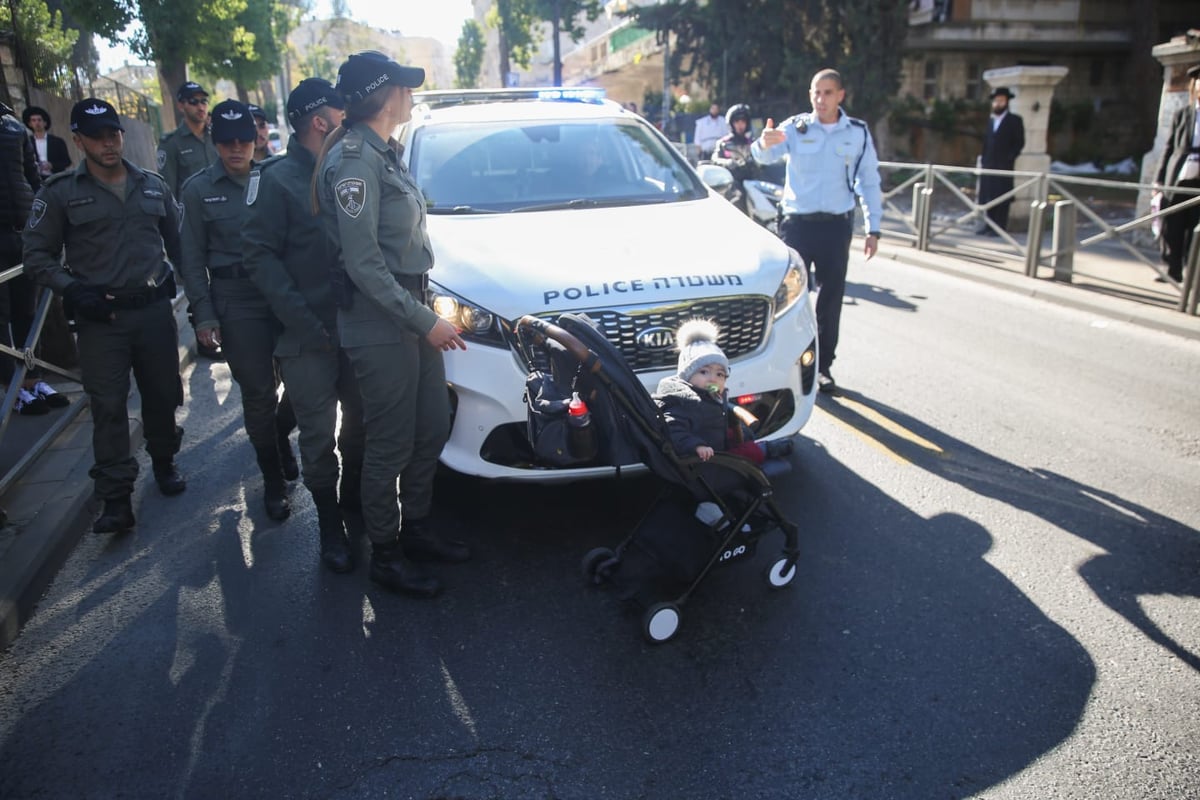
92, 115
232, 120
257, 111
370, 71
190, 89
311, 94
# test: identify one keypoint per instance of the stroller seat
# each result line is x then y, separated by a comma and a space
670, 551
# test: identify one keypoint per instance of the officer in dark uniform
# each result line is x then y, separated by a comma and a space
115, 221
230, 312
394, 340
185, 151
262, 142
291, 257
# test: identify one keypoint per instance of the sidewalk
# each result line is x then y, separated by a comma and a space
51, 507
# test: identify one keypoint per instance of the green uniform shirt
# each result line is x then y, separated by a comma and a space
214, 208
289, 253
110, 242
377, 213
181, 155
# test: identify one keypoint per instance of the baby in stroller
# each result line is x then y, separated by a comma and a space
696, 406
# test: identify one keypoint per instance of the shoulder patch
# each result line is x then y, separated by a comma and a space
351, 194
36, 212
161, 158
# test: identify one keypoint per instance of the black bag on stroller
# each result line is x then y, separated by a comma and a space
671, 550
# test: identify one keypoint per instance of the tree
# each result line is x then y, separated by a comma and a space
468, 57
725, 43
513, 21
239, 43
44, 46
563, 16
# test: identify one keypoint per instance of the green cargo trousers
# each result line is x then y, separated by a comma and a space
145, 341
317, 382
406, 414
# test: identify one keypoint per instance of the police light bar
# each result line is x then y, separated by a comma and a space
449, 97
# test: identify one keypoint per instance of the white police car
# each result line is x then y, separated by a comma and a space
543, 201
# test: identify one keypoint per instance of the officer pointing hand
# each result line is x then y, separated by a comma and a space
772, 136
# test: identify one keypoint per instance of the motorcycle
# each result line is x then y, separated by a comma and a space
759, 198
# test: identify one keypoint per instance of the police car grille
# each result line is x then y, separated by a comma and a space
742, 322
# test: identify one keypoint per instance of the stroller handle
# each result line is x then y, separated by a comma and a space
542, 330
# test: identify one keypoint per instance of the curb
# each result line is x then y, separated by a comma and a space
68, 506
1069, 295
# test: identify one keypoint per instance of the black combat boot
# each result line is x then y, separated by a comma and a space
350, 490
117, 516
287, 457
393, 572
422, 544
169, 481
335, 547
274, 486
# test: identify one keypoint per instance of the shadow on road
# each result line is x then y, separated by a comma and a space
1145, 553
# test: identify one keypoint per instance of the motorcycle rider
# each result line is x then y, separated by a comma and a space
733, 151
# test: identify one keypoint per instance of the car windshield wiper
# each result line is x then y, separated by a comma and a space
592, 202
461, 210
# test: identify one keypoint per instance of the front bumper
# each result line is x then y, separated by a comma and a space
488, 385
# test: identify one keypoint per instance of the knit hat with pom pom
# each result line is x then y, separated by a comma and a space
697, 342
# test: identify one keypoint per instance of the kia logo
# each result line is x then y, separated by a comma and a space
655, 339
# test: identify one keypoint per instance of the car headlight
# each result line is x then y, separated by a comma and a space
793, 286
476, 323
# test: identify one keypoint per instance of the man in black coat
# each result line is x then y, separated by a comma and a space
1180, 168
52, 152
1004, 141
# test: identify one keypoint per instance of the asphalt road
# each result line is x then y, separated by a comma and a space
998, 597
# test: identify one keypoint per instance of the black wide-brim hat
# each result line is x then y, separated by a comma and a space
370, 71
1002, 90
41, 112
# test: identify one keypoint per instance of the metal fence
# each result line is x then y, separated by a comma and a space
1056, 205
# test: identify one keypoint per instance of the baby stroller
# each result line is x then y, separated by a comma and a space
671, 550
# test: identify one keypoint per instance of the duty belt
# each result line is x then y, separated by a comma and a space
228, 273
821, 216
141, 296
417, 285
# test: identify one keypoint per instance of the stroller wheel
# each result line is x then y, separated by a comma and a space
660, 623
781, 573
595, 566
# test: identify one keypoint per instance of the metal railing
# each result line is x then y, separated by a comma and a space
26, 359
1049, 194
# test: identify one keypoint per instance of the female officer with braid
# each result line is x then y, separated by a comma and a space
374, 210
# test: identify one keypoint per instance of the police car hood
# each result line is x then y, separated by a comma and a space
576, 259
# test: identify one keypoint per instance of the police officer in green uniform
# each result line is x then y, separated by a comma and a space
291, 257
189, 148
115, 221
394, 340
229, 309
185, 151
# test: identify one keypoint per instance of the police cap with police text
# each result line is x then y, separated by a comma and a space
257, 111
311, 94
369, 71
91, 116
189, 89
232, 121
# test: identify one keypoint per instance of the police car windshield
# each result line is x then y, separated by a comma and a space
509, 166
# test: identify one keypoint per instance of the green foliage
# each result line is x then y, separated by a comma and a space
238, 42
514, 19
468, 57
765, 52
569, 13
45, 43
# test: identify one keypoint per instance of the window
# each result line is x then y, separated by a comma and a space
933, 71
974, 82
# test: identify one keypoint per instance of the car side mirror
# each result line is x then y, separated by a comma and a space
716, 178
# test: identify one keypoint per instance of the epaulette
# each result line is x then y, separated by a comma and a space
352, 145
163, 139
856, 121
56, 177
268, 161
